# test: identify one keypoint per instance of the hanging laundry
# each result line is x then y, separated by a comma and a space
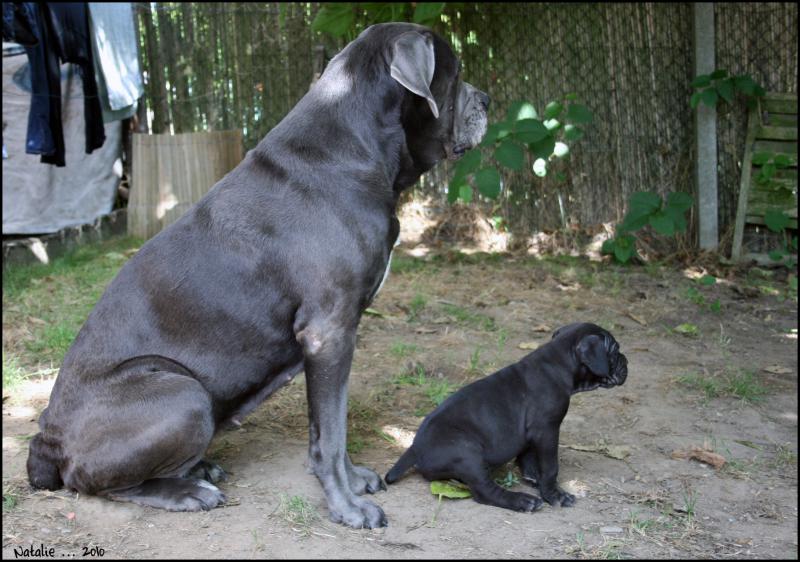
116, 54
61, 33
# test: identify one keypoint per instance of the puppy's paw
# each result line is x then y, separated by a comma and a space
559, 497
526, 502
208, 471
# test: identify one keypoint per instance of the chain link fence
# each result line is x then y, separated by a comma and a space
213, 66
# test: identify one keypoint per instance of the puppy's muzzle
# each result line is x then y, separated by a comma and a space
619, 372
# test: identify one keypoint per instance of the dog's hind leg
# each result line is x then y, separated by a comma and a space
529, 466
139, 437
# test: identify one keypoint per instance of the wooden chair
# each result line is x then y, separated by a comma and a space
771, 129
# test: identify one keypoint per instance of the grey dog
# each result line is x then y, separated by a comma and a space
265, 276
515, 413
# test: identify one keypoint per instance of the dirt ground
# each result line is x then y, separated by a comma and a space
727, 386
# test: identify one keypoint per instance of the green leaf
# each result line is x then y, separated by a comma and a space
334, 18
452, 489
427, 12
678, 218
702, 81
540, 167
553, 110
718, 74
782, 161
543, 148
578, 113
709, 97
560, 150
633, 222
488, 182
454, 190
468, 163
530, 130
510, 155
695, 99
725, 90
645, 201
686, 329
707, 280
776, 221
680, 201
552, 124
572, 133
624, 248
494, 132
571, 97
759, 91
761, 158
520, 110
745, 84
776, 255
465, 193
662, 223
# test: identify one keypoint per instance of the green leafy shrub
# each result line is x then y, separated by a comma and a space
646, 208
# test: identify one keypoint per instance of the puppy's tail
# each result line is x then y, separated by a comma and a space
43, 471
406, 461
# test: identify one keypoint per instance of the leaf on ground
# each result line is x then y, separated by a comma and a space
528, 345
686, 329
542, 328
450, 489
700, 454
778, 370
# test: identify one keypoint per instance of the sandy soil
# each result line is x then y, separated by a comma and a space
447, 323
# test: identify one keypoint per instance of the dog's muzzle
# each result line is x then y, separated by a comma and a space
619, 371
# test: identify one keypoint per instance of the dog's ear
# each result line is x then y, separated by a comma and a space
413, 63
591, 351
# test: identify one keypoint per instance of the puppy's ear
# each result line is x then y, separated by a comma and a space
413, 63
591, 351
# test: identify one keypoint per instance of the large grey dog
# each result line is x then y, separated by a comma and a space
515, 413
266, 276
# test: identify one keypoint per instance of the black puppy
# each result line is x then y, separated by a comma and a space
516, 412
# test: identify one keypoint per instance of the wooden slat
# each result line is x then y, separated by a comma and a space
781, 119
778, 147
772, 132
744, 185
776, 105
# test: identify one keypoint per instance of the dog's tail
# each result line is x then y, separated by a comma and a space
43, 470
406, 461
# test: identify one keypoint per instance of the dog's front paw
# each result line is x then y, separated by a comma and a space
526, 502
361, 514
559, 497
364, 480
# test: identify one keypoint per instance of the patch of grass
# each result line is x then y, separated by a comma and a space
355, 444
417, 377
469, 318
639, 525
784, 456
408, 264
438, 391
54, 341
13, 374
10, 497
298, 512
742, 384
108, 255
416, 305
402, 350
53, 301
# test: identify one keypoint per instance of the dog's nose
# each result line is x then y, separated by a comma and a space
484, 100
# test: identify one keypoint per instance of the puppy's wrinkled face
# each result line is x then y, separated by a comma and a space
599, 361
